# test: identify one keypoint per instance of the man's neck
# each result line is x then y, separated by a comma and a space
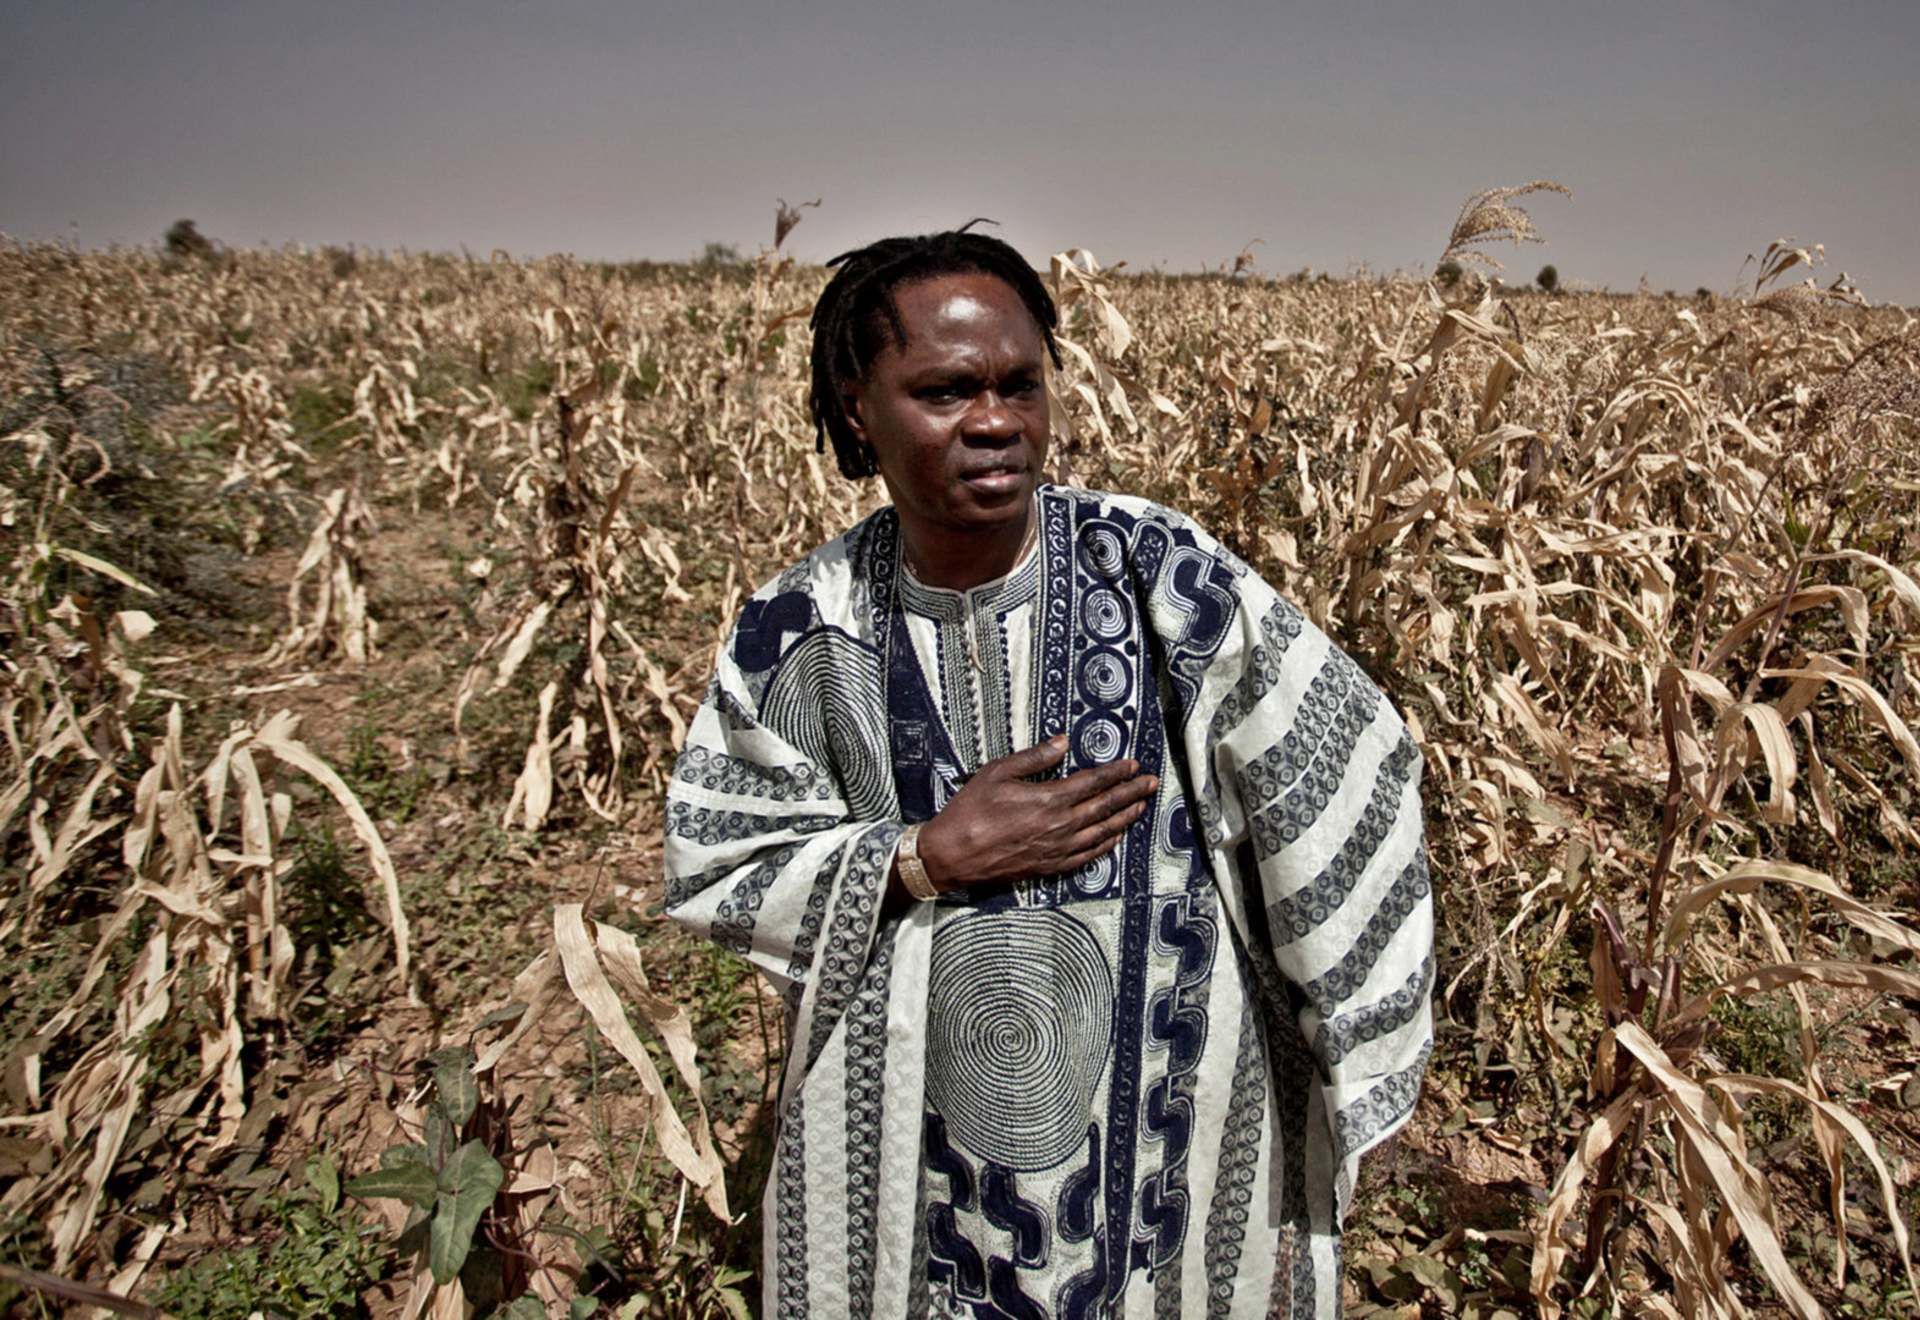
960, 560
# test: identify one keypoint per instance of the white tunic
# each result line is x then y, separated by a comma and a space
1140, 1089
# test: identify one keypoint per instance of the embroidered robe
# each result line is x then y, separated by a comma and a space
1139, 1089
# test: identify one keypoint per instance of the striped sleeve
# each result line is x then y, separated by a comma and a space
1316, 781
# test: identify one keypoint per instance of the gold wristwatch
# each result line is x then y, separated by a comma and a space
913, 871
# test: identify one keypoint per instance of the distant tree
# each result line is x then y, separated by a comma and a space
1448, 273
1703, 294
719, 256
185, 240
1548, 279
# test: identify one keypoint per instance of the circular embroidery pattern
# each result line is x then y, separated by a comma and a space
1095, 877
1105, 554
1020, 1016
1097, 739
1105, 676
1104, 614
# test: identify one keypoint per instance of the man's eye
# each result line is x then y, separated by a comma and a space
940, 393
1023, 388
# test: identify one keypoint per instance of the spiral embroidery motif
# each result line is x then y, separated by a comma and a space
1020, 1010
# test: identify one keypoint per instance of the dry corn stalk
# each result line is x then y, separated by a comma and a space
1709, 1192
577, 562
218, 954
591, 959
335, 621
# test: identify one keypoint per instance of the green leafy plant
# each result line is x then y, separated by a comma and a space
451, 1178
480, 1222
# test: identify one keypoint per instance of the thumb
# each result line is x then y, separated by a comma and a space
1040, 757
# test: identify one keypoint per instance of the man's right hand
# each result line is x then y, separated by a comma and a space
999, 827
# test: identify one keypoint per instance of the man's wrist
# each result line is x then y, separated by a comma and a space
912, 867
932, 849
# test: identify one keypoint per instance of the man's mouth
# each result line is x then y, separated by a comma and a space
995, 476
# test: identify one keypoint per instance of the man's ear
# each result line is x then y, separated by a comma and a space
850, 405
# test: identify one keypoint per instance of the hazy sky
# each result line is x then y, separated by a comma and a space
1154, 133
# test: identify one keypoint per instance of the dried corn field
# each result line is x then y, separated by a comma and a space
354, 606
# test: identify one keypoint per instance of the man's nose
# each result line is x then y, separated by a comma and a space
991, 418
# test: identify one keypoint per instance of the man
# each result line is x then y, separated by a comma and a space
1091, 871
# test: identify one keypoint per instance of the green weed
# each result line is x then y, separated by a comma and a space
387, 791
523, 391
315, 1261
318, 412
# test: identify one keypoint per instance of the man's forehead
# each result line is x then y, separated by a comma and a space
958, 297
946, 313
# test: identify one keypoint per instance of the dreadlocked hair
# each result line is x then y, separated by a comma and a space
856, 318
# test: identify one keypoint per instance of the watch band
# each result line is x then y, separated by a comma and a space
913, 871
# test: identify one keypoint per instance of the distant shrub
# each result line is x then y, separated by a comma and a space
1448, 273
1548, 279
184, 240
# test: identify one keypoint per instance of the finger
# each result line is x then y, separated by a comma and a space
1078, 860
1040, 757
1083, 785
1104, 833
1093, 852
1116, 799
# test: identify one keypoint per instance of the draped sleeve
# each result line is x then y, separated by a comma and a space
1308, 792
771, 851
782, 820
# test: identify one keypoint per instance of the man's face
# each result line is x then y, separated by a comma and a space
957, 415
